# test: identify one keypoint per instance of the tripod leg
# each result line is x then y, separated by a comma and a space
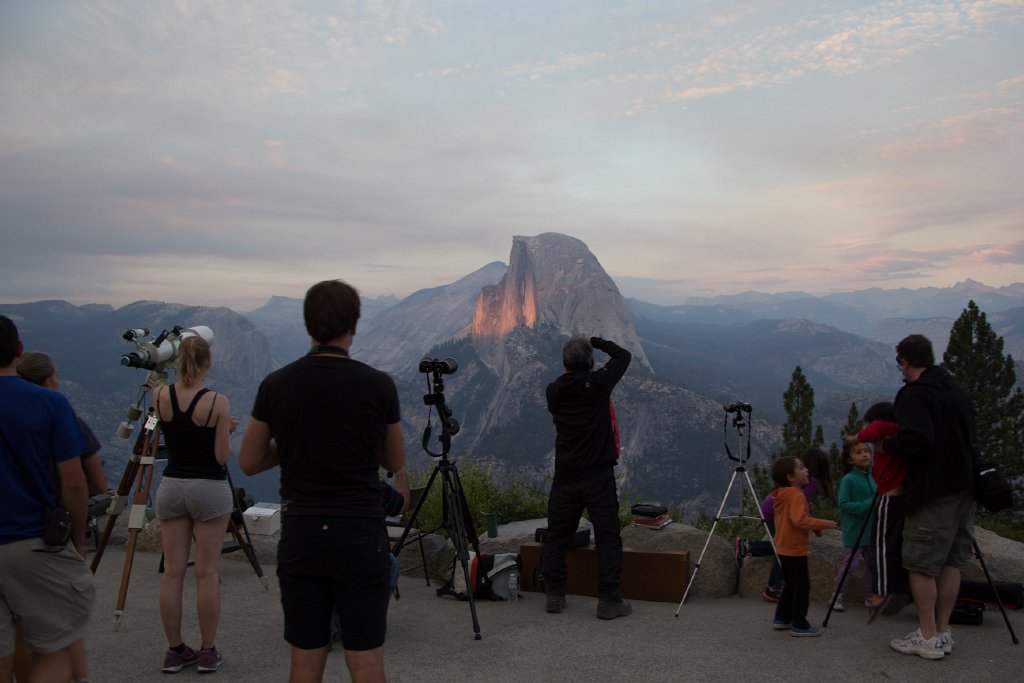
244, 540
849, 563
117, 505
136, 521
250, 554
454, 504
999, 599
467, 518
707, 542
411, 524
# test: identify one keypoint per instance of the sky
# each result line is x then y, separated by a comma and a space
220, 153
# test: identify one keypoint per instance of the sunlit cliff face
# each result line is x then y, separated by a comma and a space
511, 303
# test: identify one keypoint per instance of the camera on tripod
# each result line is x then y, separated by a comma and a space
449, 425
736, 407
442, 367
154, 355
163, 350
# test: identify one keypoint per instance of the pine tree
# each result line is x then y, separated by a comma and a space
975, 357
798, 402
853, 422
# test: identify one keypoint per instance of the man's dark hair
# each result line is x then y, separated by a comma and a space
330, 310
8, 341
782, 468
916, 350
880, 411
577, 354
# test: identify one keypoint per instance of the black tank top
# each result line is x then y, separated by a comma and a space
190, 448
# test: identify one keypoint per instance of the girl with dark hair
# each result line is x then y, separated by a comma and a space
856, 496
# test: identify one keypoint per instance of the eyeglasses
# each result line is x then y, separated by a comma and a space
900, 361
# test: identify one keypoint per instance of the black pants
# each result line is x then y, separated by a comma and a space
796, 593
764, 549
887, 546
565, 507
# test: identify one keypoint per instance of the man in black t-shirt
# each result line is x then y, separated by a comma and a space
586, 451
330, 422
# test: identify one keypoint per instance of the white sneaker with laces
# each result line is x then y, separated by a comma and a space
916, 644
946, 641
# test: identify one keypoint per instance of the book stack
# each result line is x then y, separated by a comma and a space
653, 522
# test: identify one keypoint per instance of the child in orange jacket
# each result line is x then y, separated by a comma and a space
793, 524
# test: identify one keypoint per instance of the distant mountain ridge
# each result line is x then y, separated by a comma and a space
505, 325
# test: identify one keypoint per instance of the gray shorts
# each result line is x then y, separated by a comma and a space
50, 593
200, 499
940, 534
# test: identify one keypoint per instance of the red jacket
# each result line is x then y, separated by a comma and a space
887, 470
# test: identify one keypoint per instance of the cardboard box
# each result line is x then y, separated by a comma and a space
657, 575
263, 519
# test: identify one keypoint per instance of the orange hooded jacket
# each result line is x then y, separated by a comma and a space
793, 522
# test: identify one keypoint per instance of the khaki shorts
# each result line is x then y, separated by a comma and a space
940, 534
50, 593
200, 499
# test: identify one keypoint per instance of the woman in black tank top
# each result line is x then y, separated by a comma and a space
193, 500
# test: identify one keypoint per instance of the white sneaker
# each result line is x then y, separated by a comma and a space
838, 606
916, 644
946, 641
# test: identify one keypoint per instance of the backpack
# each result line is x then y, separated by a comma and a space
488, 574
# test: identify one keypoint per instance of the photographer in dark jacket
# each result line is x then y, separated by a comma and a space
936, 430
585, 456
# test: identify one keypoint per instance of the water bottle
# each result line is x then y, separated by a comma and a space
513, 587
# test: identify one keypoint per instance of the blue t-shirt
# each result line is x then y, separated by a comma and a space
41, 428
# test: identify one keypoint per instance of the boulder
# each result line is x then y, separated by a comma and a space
716, 576
1004, 558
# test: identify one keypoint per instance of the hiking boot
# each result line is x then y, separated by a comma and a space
175, 662
209, 660
946, 641
554, 603
916, 644
608, 608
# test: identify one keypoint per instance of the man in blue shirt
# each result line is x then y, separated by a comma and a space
48, 589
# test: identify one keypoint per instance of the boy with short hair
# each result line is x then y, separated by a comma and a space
793, 524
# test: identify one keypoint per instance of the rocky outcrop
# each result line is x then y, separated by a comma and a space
552, 280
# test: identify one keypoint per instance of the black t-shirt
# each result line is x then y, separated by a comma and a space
329, 416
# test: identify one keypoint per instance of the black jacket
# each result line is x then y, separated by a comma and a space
579, 405
937, 427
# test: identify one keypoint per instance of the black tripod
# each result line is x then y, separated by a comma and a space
739, 423
977, 553
456, 519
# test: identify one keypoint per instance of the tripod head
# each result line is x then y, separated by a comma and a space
435, 369
737, 410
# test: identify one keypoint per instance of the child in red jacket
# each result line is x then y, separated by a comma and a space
793, 526
892, 591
